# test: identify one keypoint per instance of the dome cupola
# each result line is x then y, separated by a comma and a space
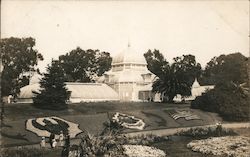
129, 56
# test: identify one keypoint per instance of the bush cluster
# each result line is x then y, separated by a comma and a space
205, 132
231, 101
144, 140
101, 145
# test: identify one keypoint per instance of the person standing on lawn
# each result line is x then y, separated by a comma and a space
67, 141
61, 139
65, 151
51, 137
54, 143
42, 143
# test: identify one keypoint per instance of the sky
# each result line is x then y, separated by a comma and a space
201, 28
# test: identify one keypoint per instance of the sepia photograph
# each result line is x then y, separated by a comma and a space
124, 78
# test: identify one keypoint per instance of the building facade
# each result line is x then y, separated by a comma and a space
129, 75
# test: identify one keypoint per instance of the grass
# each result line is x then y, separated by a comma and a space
242, 131
17, 111
178, 148
90, 117
158, 119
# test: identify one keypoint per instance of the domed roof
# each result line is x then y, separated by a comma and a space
129, 56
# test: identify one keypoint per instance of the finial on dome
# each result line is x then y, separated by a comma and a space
128, 44
195, 84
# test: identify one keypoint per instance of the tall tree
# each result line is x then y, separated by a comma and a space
84, 66
232, 67
231, 95
186, 69
173, 79
19, 58
155, 62
53, 93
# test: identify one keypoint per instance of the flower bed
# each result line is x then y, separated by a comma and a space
127, 121
142, 151
187, 115
44, 126
222, 146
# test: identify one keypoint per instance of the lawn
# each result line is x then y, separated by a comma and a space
177, 147
91, 116
25, 111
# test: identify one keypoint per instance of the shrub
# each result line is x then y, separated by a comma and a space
205, 132
111, 127
144, 139
101, 145
234, 102
231, 101
206, 102
107, 143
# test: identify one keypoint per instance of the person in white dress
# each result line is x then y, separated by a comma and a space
42, 143
61, 139
10, 98
54, 143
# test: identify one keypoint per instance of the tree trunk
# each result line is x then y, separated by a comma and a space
167, 98
171, 97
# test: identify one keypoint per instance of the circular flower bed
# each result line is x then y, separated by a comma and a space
142, 151
127, 121
222, 146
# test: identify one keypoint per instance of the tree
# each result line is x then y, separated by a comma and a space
84, 66
232, 67
19, 58
155, 62
53, 93
185, 69
231, 95
173, 79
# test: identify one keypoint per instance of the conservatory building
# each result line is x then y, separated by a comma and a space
129, 75
128, 80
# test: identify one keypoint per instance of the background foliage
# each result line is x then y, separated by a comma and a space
84, 65
231, 95
19, 59
232, 67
